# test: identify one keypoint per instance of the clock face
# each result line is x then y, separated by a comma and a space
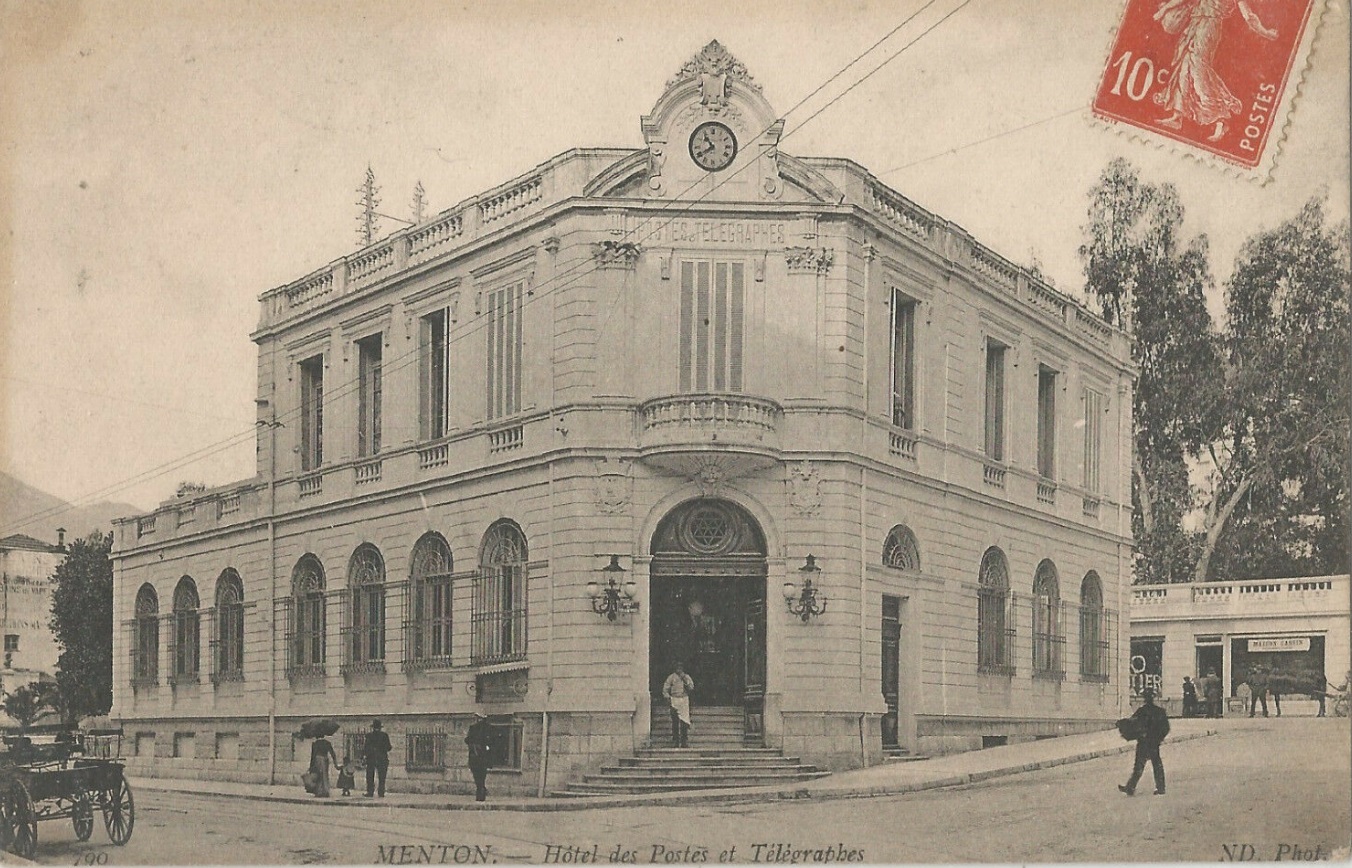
713, 146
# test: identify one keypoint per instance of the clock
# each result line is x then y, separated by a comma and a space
713, 147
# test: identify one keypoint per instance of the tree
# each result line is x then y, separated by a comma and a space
82, 621
27, 703
1279, 467
1241, 432
1145, 277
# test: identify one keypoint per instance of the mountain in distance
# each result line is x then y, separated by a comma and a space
28, 510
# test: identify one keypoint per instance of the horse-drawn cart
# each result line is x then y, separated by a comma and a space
58, 782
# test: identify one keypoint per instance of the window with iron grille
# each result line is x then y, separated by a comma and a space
354, 747
369, 389
228, 661
713, 305
995, 616
499, 618
1094, 630
146, 638
186, 635
305, 628
364, 632
1048, 637
428, 629
903, 360
425, 751
900, 550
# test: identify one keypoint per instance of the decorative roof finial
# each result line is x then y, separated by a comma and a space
714, 61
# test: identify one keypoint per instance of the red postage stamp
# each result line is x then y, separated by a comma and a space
1217, 75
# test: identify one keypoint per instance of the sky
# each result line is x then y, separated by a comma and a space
163, 163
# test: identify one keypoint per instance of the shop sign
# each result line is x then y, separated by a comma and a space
1147, 665
1285, 643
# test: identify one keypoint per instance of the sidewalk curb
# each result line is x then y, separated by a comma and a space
686, 797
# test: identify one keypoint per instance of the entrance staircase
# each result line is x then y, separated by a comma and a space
719, 756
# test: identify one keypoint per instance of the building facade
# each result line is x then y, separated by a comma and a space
30, 650
705, 368
1297, 628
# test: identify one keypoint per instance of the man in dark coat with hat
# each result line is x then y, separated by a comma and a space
480, 741
1153, 725
377, 757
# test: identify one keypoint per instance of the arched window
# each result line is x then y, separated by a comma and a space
429, 634
364, 645
499, 618
186, 651
1048, 636
900, 550
995, 616
229, 641
1093, 630
305, 638
146, 638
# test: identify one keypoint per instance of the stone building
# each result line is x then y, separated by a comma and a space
30, 650
705, 369
1296, 627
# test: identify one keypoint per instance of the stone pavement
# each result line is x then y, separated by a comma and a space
891, 778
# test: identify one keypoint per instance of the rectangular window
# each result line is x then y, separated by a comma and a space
713, 316
504, 350
425, 751
354, 747
1046, 422
1093, 442
146, 650
434, 375
312, 413
995, 401
504, 747
369, 352
229, 642
903, 361
11, 642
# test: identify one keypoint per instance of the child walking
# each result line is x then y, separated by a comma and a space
345, 776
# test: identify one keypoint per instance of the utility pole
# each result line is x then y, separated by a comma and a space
419, 203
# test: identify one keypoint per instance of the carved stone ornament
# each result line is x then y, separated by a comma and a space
551, 244
713, 66
616, 254
710, 478
805, 488
612, 487
809, 259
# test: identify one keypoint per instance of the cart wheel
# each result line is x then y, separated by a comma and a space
19, 822
119, 812
82, 817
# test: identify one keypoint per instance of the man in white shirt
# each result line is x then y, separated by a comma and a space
677, 690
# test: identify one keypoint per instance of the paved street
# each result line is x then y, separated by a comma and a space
1263, 783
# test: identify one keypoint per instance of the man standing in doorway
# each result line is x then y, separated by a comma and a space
677, 690
377, 756
1211, 689
480, 741
1153, 725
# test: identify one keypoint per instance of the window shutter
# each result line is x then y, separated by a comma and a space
687, 324
736, 323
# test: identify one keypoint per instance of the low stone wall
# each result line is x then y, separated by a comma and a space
830, 740
936, 735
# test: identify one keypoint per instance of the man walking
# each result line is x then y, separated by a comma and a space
677, 689
376, 754
480, 739
1153, 725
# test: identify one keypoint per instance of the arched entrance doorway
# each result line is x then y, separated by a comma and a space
708, 608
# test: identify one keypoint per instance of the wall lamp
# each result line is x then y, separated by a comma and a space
616, 595
807, 600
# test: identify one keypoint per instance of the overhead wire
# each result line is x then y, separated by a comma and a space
582, 270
